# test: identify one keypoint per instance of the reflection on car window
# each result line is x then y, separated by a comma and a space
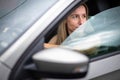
99, 35
22, 15
8, 6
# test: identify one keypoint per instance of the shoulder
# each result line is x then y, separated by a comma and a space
53, 40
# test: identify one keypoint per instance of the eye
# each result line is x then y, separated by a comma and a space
74, 16
84, 16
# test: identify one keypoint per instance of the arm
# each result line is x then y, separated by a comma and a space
47, 45
51, 43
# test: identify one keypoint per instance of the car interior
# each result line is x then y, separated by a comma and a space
27, 70
94, 7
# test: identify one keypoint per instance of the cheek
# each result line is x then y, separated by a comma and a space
84, 20
71, 23
71, 26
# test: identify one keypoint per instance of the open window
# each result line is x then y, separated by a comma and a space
98, 16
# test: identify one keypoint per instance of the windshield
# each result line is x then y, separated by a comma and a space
17, 16
100, 34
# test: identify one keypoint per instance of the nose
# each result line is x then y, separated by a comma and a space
81, 21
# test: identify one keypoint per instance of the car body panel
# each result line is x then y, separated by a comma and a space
109, 65
4, 72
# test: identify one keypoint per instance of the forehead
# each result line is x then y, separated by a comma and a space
80, 9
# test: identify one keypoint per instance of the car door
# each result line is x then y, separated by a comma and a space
16, 58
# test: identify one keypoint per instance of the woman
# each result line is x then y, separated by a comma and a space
68, 25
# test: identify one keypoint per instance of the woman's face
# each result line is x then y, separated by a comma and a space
76, 18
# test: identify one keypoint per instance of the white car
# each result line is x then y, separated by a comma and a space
25, 25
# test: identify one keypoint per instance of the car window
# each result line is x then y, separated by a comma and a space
8, 6
17, 17
99, 35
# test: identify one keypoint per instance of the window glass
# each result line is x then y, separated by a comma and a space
18, 16
99, 35
7, 6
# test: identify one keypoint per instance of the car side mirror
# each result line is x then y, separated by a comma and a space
61, 63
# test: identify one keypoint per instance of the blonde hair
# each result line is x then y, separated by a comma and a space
62, 32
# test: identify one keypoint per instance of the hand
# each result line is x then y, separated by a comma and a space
47, 45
